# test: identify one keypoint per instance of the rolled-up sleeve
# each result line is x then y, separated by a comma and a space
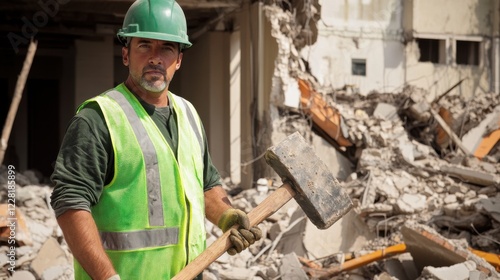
82, 163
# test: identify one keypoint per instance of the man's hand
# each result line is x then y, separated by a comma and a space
242, 236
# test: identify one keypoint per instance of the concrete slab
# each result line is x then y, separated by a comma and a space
428, 248
459, 271
474, 136
386, 111
472, 176
348, 234
291, 268
50, 255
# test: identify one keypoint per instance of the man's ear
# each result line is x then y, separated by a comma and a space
125, 56
179, 60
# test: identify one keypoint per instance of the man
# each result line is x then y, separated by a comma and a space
133, 179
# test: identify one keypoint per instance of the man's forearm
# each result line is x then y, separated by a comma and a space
216, 202
83, 239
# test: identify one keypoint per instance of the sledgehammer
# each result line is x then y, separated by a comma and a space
306, 178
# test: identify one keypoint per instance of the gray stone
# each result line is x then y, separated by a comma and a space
386, 111
490, 206
451, 198
291, 268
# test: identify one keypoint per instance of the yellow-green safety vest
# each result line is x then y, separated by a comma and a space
151, 215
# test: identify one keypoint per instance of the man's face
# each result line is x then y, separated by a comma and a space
152, 63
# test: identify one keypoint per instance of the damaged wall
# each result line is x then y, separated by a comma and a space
468, 17
381, 45
447, 47
359, 44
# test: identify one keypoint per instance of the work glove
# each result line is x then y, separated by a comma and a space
242, 236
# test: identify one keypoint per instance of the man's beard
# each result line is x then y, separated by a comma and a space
152, 85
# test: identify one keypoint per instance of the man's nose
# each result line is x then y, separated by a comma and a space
155, 58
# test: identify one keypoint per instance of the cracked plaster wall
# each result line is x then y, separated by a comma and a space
374, 30
368, 30
468, 20
465, 18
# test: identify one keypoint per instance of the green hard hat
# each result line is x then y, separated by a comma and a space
155, 19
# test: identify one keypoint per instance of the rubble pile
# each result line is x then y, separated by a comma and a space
33, 246
408, 167
399, 184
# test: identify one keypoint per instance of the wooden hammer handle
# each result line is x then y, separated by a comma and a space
268, 207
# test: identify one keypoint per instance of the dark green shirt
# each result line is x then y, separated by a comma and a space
85, 162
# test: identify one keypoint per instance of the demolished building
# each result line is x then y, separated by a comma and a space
415, 180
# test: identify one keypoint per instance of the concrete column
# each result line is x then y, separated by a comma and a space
235, 107
258, 54
93, 68
247, 96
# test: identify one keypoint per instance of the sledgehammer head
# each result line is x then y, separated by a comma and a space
317, 191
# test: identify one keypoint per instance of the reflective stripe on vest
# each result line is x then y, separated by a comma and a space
150, 158
139, 239
192, 121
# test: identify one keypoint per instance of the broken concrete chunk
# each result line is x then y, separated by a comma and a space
455, 272
380, 158
50, 255
291, 268
380, 208
411, 203
407, 151
449, 199
472, 176
349, 234
490, 206
386, 112
387, 188
428, 248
